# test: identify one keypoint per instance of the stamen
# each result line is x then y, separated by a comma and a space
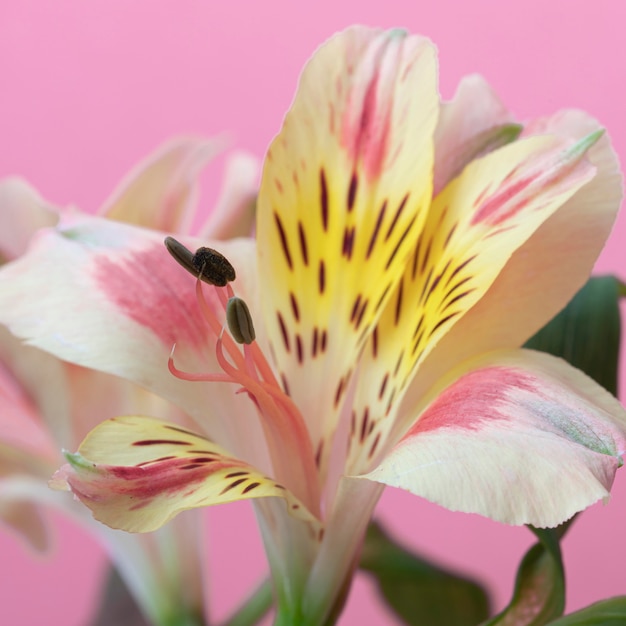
240, 321
181, 254
214, 268
286, 432
207, 264
207, 378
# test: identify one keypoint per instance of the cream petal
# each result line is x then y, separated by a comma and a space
466, 126
235, 211
520, 437
473, 227
109, 297
161, 191
22, 212
542, 275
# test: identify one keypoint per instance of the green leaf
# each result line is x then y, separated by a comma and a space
539, 594
418, 591
587, 332
605, 613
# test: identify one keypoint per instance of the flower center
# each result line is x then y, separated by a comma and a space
285, 431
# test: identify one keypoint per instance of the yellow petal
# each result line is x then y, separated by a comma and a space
473, 227
345, 190
543, 274
136, 473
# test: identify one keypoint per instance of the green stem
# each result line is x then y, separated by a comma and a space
621, 289
254, 608
184, 619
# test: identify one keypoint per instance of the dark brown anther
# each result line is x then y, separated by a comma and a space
214, 268
207, 264
240, 321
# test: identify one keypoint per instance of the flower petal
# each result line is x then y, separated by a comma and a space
234, 213
345, 188
520, 437
472, 229
22, 213
109, 297
24, 518
136, 473
20, 423
340, 548
161, 191
473, 123
543, 274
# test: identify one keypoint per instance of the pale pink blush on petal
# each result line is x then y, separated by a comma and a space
160, 478
474, 400
520, 437
366, 130
155, 292
20, 425
490, 209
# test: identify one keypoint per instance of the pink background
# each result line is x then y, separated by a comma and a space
88, 88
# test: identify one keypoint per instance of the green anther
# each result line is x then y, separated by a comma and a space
240, 321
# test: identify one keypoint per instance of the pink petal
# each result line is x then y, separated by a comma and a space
520, 437
24, 518
474, 110
108, 296
161, 192
235, 211
29, 380
22, 213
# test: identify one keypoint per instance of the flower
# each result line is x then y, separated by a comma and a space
404, 251
48, 404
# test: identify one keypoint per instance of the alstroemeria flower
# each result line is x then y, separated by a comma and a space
401, 258
48, 404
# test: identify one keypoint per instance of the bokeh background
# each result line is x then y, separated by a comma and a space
88, 88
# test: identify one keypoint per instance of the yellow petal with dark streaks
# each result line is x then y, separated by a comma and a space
136, 473
344, 194
473, 228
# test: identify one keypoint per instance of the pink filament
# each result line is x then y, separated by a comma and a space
286, 432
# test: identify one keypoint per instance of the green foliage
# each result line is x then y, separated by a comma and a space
418, 591
587, 335
587, 332
606, 613
539, 594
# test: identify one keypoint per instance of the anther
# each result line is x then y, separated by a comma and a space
207, 264
214, 268
239, 321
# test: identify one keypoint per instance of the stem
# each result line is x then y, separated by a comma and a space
184, 619
255, 607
